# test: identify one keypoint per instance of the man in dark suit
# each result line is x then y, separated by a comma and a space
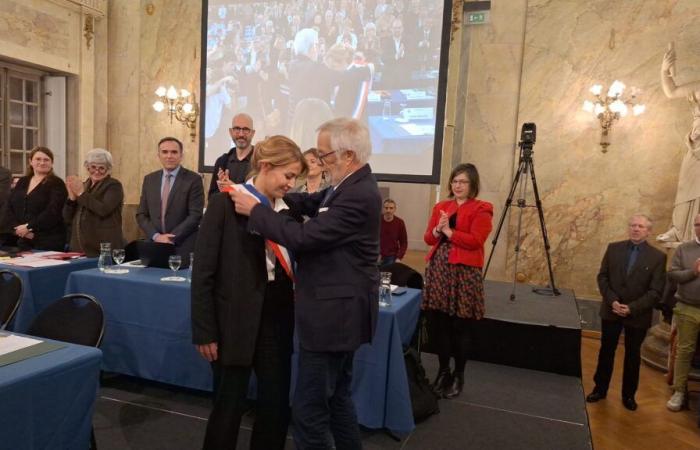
336, 281
631, 280
172, 200
234, 165
396, 52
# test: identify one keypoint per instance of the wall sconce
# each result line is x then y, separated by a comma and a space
181, 105
609, 108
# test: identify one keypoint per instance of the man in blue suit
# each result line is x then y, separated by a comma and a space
337, 281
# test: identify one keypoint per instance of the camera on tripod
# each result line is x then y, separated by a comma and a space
528, 136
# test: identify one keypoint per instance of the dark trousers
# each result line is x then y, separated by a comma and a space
322, 403
634, 337
272, 365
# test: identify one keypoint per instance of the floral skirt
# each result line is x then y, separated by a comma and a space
454, 289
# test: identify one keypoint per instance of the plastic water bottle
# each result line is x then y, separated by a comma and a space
104, 262
386, 110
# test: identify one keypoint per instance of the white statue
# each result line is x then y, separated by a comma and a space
687, 203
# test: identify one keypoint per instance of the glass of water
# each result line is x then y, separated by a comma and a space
174, 261
118, 257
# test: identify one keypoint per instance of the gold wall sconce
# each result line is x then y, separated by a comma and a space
180, 104
609, 108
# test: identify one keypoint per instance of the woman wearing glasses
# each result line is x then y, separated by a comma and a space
94, 206
453, 295
33, 214
243, 304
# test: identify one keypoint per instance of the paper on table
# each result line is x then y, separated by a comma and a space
11, 342
31, 261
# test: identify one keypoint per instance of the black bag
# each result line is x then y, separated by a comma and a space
424, 402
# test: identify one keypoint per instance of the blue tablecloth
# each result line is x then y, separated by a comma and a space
42, 286
398, 100
47, 401
148, 335
148, 329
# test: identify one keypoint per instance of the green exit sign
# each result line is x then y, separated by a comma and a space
477, 18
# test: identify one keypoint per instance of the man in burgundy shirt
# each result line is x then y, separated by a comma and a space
392, 238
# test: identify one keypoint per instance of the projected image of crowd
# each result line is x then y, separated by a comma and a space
292, 65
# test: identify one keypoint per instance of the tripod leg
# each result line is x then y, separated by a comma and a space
507, 205
545, 237
521, 206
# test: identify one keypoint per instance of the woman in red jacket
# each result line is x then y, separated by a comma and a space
453, 296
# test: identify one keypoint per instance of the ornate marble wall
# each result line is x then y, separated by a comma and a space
587, 195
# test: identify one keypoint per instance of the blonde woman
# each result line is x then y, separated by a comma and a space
243, 303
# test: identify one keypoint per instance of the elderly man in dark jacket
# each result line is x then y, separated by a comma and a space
631, 281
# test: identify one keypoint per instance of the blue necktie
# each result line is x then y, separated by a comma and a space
634, 252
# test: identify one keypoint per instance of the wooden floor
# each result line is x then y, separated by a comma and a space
651, 426
613, 427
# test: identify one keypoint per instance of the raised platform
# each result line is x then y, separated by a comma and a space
534, 331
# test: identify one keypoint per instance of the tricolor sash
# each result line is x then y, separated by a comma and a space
283, 255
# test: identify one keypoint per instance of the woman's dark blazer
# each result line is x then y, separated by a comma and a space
228, 284
41, 210
96, 216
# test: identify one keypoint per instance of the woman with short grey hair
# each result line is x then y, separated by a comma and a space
94, 206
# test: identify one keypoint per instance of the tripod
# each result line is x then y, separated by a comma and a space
526, 168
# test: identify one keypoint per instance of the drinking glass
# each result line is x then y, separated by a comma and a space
385, 289
118, 257
174, 262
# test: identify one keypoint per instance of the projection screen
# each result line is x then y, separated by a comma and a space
293, 64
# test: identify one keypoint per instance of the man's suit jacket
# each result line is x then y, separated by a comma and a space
228, 285
183, 213
336, 250
640, 289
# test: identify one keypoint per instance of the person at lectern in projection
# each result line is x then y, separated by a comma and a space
453, 296
243, 304
631, 281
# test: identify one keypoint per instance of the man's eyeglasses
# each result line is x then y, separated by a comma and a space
244, 130
95, 168
322, 156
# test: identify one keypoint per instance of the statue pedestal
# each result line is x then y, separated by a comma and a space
655, 349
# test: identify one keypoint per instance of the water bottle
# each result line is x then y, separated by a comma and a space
385, 289
189, 270
104, 263
386, 110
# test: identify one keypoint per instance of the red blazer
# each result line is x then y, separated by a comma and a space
474, 219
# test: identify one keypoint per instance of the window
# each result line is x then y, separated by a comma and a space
20, 116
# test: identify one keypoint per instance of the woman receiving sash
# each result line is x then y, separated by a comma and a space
243, 303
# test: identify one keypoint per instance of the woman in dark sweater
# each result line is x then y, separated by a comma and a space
94, 206
34, 208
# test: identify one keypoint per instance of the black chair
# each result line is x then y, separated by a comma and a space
402, 275
75, 318
10, 296
131, 251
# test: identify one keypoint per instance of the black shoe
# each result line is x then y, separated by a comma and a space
629, 403
455, 387
441, 382
595, 396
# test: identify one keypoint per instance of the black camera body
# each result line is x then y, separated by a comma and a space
528, 137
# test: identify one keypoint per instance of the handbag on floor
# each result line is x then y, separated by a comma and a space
424, 402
